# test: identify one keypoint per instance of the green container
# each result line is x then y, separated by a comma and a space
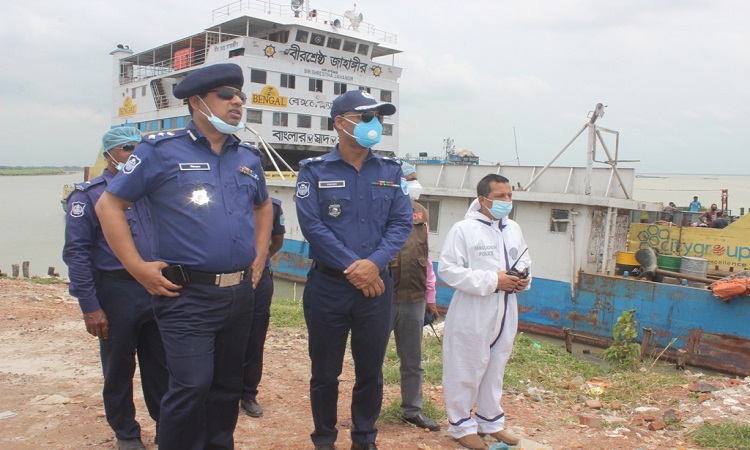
669, 262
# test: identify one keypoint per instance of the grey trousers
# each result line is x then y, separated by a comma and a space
407, 320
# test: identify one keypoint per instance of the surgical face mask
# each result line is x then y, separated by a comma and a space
220, 125
415, 189
120, 165
367, 134
500, 209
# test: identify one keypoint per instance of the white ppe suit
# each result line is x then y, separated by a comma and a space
481, 324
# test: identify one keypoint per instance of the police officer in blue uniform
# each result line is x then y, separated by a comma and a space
261, 317
354, 210
211, 216
116, 309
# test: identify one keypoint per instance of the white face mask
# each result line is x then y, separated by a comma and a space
220, 125
415, 189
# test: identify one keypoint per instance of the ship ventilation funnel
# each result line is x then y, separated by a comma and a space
336, 23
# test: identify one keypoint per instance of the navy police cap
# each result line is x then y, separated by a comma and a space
359, 100
207, 78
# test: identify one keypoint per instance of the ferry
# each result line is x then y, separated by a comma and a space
295, 59
577, 221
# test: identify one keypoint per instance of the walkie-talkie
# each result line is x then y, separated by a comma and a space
513, 272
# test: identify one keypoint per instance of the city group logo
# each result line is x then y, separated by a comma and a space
376, 70
654, 237
269, 51
719, 250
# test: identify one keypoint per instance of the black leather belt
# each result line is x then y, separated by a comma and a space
328, 270
217, 279
121, 274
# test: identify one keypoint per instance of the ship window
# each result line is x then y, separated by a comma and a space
363, 49
387, 129
143, 91
433, 212
287, 81
326, 123
317, 39
132, 93
280, 119
304, 121
279, 36
153, 125
559, 222
364, 88
142, 127
180, 122
385, 96
258, 76
254, 116
334, 43
316, 85
167, 124
301, 36
339, 88
350, 46
236, 52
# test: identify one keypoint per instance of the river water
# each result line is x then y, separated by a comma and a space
32, 223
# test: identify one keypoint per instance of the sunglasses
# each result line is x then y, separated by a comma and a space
128, 147
226, 93
367, 116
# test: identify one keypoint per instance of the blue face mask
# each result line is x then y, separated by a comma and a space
220, 125
500, 209
367, 134
120, 165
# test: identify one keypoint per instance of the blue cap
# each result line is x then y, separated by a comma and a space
359, 100
119, 136
407, 168
207, 78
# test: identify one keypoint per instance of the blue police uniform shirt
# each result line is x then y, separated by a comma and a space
278, 227
201, 202
85, 250
347, 215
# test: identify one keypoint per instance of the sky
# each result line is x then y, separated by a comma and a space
513, 81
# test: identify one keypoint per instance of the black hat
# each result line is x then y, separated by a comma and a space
207, 78
359, 100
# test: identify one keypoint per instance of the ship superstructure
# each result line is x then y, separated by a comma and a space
296, 60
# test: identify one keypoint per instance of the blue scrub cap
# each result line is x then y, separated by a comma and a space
407, 168
120, 135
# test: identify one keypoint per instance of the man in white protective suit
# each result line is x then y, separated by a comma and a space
477, 260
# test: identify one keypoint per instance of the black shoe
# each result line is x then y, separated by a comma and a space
365, 446
325, 447
422, 421
251, 408
130, 444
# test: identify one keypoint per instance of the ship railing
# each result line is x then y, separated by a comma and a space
163, 67
284, 10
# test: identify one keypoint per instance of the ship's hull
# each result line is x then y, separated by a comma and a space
712, 334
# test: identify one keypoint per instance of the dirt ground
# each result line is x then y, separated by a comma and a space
50, 379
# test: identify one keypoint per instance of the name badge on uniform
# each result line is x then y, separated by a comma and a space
194, 166
331, 184
334, 209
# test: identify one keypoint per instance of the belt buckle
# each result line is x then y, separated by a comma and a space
229, 279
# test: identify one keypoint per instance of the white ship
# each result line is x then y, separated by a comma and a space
295, 59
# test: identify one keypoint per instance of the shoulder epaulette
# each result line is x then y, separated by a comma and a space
312, 160
275, 201
251, 147
85, 186
155, 138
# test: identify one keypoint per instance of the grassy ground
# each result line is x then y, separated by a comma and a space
539, 369
31, 171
